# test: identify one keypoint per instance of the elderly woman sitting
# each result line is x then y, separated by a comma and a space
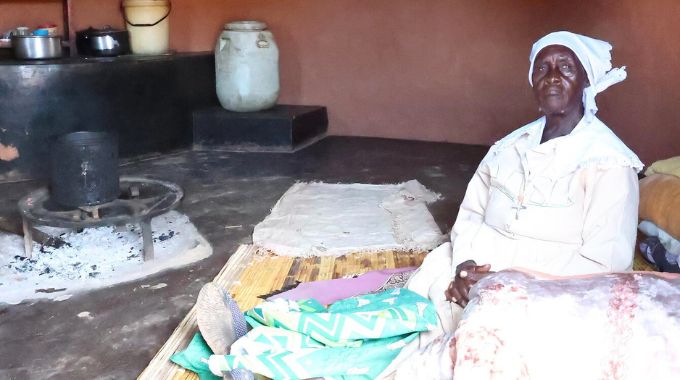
558, 196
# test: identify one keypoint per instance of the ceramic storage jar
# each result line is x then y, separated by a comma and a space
247, 67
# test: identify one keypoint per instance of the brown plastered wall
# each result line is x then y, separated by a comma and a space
427, 70
442, 70
15, 13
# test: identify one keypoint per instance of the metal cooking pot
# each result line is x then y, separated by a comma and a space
105, 42
36, 47
84, 169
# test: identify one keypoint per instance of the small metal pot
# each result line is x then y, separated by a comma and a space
36, 47
105, 42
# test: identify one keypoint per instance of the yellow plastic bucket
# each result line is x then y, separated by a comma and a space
148, 24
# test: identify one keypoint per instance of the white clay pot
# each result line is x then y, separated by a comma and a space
247, 67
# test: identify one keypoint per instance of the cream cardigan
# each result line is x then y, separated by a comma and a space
564, 207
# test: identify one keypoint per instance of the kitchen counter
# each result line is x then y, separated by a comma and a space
7, 59
146, 100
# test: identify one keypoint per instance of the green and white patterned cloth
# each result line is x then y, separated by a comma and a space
354, 338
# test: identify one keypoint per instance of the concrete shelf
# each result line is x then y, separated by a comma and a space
281, 128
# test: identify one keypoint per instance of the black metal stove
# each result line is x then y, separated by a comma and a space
141, 199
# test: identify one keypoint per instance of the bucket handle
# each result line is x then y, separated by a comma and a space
122, 10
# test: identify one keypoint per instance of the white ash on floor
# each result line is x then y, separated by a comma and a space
95, 257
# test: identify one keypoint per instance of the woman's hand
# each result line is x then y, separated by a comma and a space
467, 274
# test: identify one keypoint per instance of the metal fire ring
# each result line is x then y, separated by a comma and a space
141, 199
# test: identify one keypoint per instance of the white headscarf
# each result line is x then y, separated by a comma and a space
596, 59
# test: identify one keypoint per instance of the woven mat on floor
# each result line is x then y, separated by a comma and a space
639, 263
252, 272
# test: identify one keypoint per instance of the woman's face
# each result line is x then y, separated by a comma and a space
559, 80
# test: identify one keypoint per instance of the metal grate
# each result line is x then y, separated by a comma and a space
140, 200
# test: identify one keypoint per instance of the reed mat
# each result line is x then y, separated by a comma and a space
252, 272
641, 264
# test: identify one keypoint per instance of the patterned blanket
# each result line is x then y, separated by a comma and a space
355, 338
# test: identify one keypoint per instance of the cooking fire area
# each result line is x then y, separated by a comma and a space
90, 227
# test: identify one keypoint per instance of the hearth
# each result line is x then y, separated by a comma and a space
140, 200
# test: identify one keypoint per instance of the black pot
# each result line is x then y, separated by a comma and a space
84, 169
105, 42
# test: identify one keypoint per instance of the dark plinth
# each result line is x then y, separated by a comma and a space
282, 128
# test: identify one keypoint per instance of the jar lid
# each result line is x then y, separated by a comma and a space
245, 26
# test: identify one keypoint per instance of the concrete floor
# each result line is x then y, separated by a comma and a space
46, 339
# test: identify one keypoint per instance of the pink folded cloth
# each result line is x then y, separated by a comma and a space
330, 291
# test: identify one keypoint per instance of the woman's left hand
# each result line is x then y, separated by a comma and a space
467, 274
